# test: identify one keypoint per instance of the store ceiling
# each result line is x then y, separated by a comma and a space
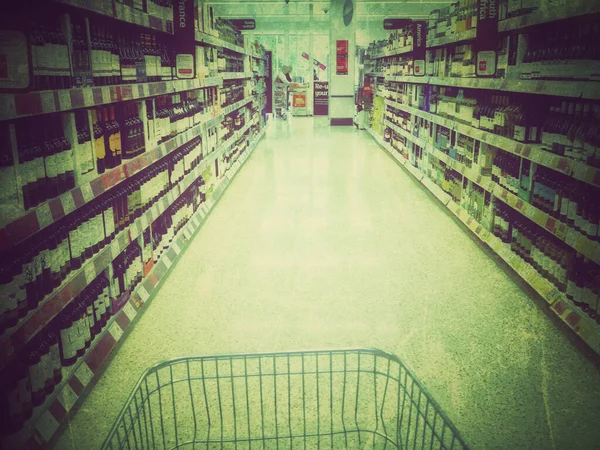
365, 8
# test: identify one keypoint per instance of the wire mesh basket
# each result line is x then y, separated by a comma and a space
333, 399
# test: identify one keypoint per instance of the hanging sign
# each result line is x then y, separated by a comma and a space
395, 24
185, 39
419, 29
487, 39
321, 98
341, 57
243, 24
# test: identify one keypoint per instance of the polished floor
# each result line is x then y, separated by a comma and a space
322, 241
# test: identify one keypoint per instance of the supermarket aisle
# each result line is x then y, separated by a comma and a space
323, 241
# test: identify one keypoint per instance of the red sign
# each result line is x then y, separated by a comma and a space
341, 59
299, 101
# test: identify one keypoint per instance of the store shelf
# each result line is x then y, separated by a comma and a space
47, 418
212, 40
35, 220
395, 52
558, 11
577, 89
459, 37
570, 236
122, 12
575, 318
13, 106
17, 337
235, 75
532, 152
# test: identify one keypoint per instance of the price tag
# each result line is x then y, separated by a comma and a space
142, 293
64, 99
115, 249
84, 374
90, 271
67, 397
115, 331
571, 238
166, 260
88, 97
44, 215
46, 425
129, 311
48, 104
86, 191
554, 295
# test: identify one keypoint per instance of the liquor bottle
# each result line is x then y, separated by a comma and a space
53, 360
80, 56
126, 59
38, 57
37, 373
16, 396
99, 145
60, 58
11, 292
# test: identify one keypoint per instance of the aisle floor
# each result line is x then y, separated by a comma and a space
322, 241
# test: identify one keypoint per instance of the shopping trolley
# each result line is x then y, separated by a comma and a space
333, 399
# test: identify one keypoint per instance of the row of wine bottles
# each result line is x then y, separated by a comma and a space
57, 149
40, 264
38, 369
571, 201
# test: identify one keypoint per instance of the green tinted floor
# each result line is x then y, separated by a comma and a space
322, 241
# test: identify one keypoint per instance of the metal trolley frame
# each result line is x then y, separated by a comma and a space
344, 399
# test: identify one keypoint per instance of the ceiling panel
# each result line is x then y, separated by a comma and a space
274, 8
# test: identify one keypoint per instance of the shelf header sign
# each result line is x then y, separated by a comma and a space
487, 38
419, 32
185, 38
395, 24
243, 24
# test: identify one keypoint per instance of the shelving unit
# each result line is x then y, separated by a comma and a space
124, 13
574, 89
426, 156
13, 106
218, 148
47, 418
578, 321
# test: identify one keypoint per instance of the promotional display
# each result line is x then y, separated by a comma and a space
321, 100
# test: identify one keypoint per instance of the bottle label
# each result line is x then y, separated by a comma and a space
75, 241
55, 356
51, 166
99, 148
588, 297
572, 213
592, 229
571, 289
564, 206
578, 293
37, 376
67, 342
